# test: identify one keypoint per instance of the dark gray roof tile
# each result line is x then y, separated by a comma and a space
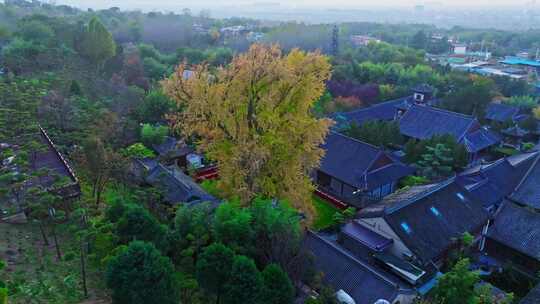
517, 228
341, 270
424, 122
428, 219
527, 191
177, 187
501, 112
533, 297
350, 161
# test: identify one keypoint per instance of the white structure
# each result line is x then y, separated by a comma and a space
361, 40
460, 49
344, 298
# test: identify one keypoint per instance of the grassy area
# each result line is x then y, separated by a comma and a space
34, 274
210, 186
507, 151
325, 213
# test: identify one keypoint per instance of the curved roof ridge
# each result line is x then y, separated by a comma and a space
374, 105
418, 196
368, 267
435, 109
356, 140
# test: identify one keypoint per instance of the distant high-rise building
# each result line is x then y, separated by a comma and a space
335, 40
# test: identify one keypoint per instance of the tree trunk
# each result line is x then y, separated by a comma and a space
58, 253
45, 239
98, 196
94, 187
83, 271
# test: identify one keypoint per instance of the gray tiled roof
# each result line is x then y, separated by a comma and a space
177, 187
172, 147
533, 297
501, 112
350, 161
480, 139
435, 216
384, 111
341, 270
527, 191
491, 183
424, 122
517, 228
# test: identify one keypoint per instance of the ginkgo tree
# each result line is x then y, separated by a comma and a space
254, 118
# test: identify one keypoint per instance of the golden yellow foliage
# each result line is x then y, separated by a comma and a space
536, 112
254, 118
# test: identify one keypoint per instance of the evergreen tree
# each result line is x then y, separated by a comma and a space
530, 124
419, 40
214, 268
97, 43
75, 88
189, 234
472, 97
3, 287
457, 286
140, 275
245, 282
278, 288
138, 224
437, 161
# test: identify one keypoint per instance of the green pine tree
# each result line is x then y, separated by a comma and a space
437, 161
214, 268
245, 282
139, 274
98, 44
278, 288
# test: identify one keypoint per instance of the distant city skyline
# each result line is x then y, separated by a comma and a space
499, 14
209, 4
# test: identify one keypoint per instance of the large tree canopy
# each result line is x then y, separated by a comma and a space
97, 44
254, 117
140, 274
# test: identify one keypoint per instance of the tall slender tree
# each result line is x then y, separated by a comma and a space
97, 43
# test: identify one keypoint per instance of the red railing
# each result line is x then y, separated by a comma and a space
203, 174
212, 172
332, 200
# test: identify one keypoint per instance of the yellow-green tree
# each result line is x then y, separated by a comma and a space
254, 117
536, 112
97, 44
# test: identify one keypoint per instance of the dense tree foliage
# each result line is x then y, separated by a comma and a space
471, 98
437, 162
461, 285
524, 102
153, 135
418, 151
245, 282
249, 110
140, 274
378, 133
97, 43
277, 287
214, 268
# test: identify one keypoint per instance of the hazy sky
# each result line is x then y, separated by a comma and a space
164, 4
